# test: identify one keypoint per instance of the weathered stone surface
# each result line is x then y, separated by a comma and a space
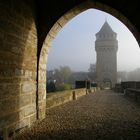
6, 91
41, 96
18, 56
25, 100
106, 46
21, 124
55, 99
42, 86
9, 119
42, 75
33, 98
100, 116
62, 21
42, 113
48, 41
28, 87
8, 105
29, 110
32, 119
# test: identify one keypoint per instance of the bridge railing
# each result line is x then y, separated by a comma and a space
131, 92
129, 88
58, 98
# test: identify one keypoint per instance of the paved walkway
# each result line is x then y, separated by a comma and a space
100, 116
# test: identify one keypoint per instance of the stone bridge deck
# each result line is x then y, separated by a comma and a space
101, 116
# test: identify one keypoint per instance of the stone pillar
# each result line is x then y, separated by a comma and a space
18, 49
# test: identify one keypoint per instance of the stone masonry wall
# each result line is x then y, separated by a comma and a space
58, 98
18, 46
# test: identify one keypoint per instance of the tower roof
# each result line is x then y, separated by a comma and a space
105, 29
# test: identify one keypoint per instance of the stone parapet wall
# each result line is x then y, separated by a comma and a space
129, 84
93, 89
58, 98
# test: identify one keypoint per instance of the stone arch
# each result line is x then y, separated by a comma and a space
107, 83
59, 25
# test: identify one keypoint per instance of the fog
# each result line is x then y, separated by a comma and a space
74, 45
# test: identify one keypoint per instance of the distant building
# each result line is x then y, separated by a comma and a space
106, 46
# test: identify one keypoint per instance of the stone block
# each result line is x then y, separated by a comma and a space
8, 46
43, 66
9, 90
14, 40
42, 103
41, 96
21, 113
69, 15
28, 74
16, 49
24, 100
52, 34
42, 75
28, 87
33, 98
29, 110
48, 41
33, 118
19, 72
57, 27
11, 28
9, 119
8, 105
42, 86
42, 113
62, 21
22, 124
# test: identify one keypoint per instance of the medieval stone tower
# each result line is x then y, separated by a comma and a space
106, 46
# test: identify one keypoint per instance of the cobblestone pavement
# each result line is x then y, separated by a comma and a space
100, 116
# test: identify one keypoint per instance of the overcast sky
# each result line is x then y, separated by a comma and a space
74, 44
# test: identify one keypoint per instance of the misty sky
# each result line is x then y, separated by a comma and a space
74, 44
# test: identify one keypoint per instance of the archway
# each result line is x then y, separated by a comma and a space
107, 84
54, 30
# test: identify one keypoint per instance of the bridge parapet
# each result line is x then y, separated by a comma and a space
58, 98
131, 92
130, 85
129, 88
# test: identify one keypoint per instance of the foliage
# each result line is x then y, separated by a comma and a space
92, 73
63, 87
65, 79
62, 74
51, 87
